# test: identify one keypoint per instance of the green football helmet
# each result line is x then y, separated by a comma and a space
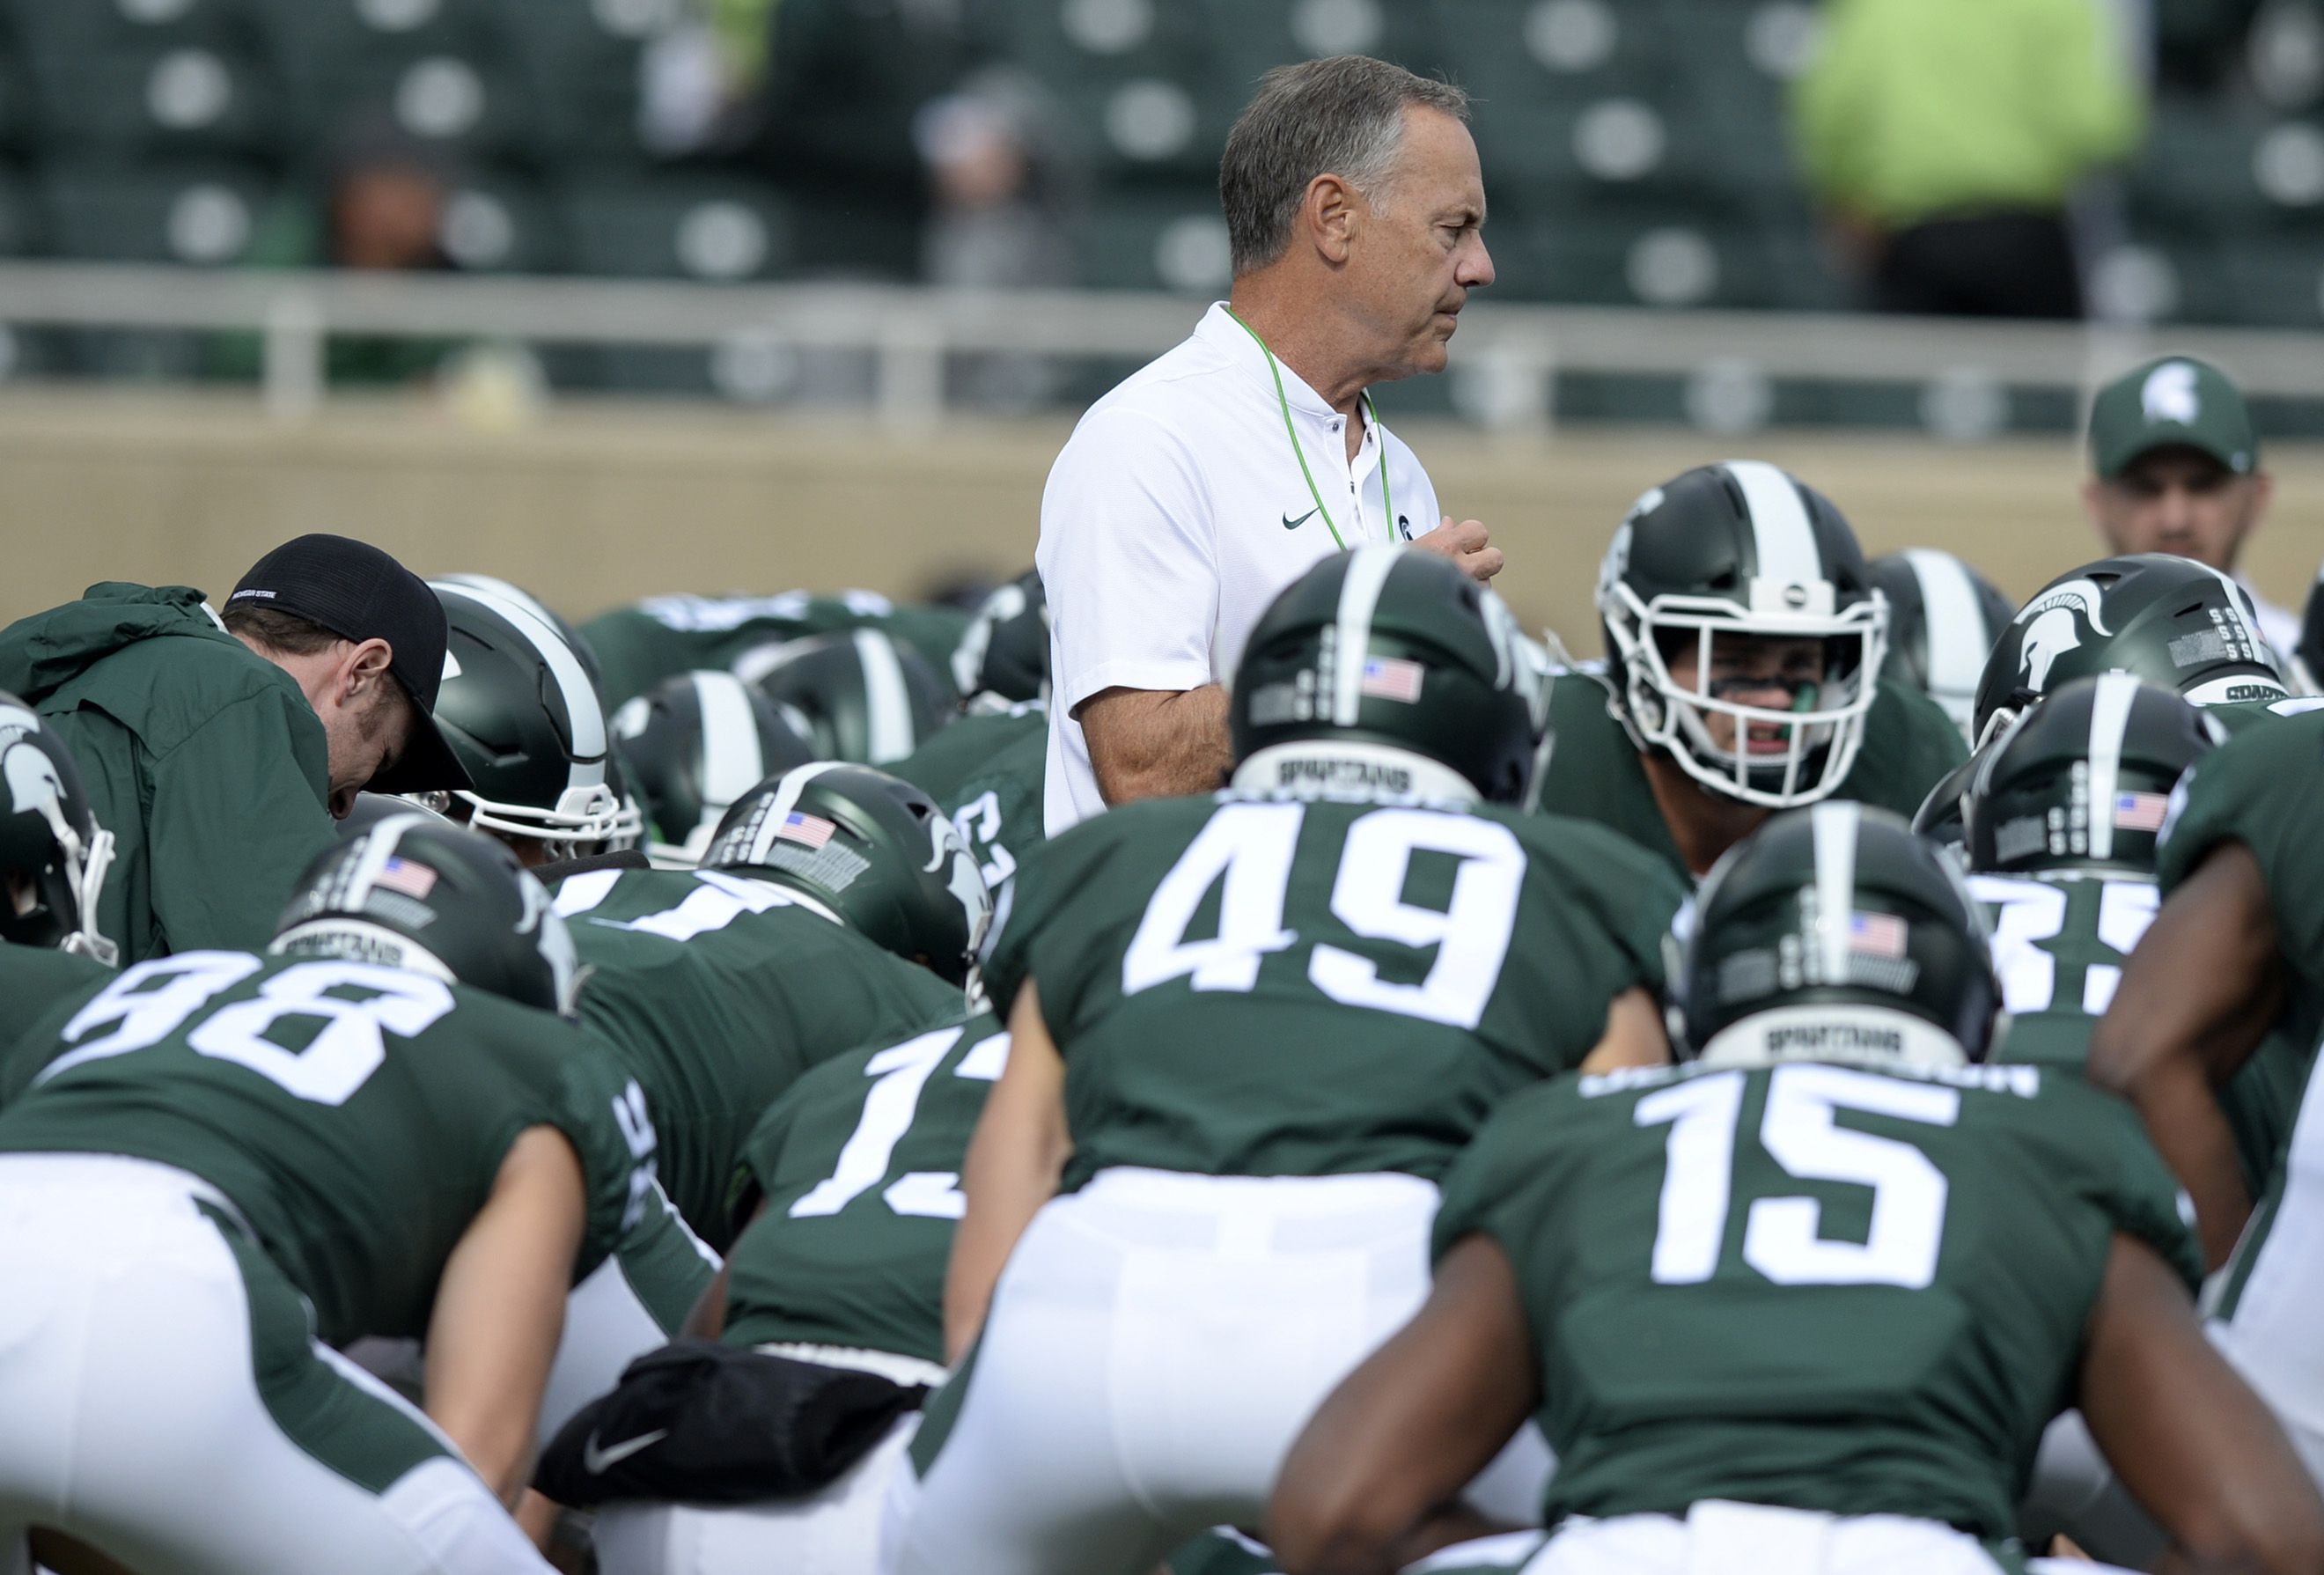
506, 591
859, 695
520, 710
415, 891
695, 743
2082, 778
49, 840
1741, 549
1004, 657
1381, 672
2177, 623
873, 850
1834, 933
1943, 617
1938, 818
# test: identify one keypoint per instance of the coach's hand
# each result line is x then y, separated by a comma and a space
1466, 545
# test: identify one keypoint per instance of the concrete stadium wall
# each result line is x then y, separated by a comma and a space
593, 506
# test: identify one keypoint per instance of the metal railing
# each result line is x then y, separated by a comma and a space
1512, 351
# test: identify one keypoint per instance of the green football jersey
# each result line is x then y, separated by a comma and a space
32, 980
997, 806
2254, 789
2258, 788
860, 1168
718, 992
1249, 984
1814, 1286
2059, 941
639, 646
944, 763
1593, 771
355, 1115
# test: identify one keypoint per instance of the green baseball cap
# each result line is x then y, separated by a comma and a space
2176, 401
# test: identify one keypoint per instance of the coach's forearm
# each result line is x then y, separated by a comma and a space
1147, 744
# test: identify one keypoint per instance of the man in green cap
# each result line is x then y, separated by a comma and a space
216, 750
2176, 469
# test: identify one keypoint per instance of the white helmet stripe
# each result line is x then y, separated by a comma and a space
1779, 522
1835, 828
887, 703
584, 713
1952, 620
379, 844
788, 793
2110, 719
732, 763
1360, 594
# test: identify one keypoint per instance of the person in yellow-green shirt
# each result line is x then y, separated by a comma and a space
1945, 140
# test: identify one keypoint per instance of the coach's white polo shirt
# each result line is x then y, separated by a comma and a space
1177, 512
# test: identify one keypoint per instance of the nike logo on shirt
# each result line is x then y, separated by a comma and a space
1291, 524
597, 1461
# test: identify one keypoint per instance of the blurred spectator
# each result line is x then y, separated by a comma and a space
995, 222
385, 212
845, 83
379, 206
1943, 139
700, 74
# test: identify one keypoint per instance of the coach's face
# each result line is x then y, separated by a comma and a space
1420, 250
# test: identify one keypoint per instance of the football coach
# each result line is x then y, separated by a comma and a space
1210, 480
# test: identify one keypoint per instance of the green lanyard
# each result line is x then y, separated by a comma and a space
1370, 411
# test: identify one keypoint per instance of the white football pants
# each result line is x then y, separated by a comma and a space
833, 1532
1718, 1538
634, 1302
2274, 1284
135, 1335
1155, 1345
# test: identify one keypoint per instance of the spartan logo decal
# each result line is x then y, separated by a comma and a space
31, 776
2052, 626
2169, 394
962, 879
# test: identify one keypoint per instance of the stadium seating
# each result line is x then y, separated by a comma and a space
1636, 150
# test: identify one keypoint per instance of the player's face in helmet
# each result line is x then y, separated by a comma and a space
530, 852
1767, 673
2179, 501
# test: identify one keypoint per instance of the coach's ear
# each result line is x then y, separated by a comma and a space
1328, 215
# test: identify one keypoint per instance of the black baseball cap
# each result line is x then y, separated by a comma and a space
359, 593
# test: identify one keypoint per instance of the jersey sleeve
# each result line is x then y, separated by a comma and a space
1128, 560
1496, 1186
36, 982
1632, 895
2131, 1182
1909, 745
242, 768
2257, 790
602, 1110
1046, 882
762, 1151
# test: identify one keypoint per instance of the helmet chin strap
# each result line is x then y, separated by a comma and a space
1351, 768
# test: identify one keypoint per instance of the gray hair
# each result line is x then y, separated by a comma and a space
1342, 116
